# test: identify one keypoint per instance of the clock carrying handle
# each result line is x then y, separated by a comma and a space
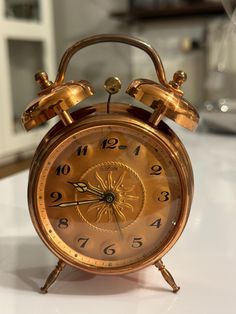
165, 98
112, 38
56, 98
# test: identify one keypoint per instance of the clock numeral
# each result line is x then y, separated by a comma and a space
156, 223
82, 150
137, 243
65, 169
109, 250
156, 170
110, 143
164, 196
56, 196
63, 223
136, 151
83, 242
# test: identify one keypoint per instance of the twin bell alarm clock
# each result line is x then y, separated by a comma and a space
110, 185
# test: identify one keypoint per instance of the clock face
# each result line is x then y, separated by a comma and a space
109, 196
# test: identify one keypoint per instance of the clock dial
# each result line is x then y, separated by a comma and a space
109, 196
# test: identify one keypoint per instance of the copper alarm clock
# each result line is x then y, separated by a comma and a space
110, 185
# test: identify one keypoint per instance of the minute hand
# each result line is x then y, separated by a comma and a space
69, 204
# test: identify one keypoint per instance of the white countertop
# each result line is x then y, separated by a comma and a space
203, 261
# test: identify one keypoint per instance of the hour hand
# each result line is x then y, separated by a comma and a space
83, 187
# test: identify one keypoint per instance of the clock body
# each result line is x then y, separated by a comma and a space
110, 193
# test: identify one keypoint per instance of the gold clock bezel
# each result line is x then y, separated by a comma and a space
122, 115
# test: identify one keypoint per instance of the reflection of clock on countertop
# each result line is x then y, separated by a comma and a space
111, 185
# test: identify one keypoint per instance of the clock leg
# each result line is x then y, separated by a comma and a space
53, 276
167, 276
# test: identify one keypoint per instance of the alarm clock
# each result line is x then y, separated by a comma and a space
110, 185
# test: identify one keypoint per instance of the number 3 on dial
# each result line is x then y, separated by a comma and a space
164, 197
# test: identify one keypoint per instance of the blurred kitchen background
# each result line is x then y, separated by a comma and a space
198, 37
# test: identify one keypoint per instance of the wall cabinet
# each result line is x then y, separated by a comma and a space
26, 47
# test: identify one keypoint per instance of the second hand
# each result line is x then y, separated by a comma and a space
117, 222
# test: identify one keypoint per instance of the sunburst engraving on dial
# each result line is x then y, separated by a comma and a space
119, 195
116, 194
